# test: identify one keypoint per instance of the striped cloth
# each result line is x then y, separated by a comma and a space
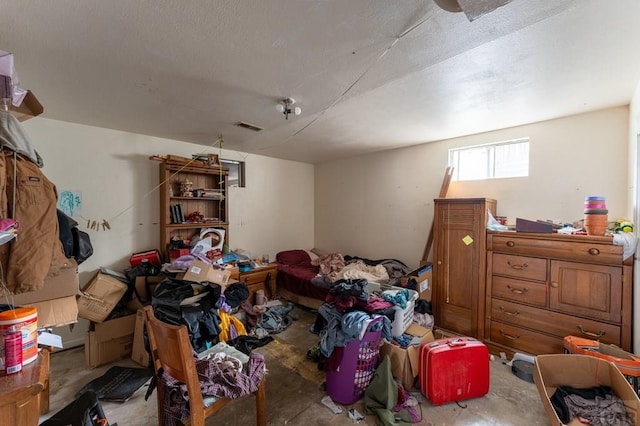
213, 382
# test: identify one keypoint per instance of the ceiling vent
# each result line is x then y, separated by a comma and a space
249, 126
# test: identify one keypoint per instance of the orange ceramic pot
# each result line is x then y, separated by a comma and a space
595, 229
593, 219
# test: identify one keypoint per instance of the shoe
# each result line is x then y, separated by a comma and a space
314, 354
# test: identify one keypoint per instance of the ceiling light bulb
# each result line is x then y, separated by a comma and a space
280, 108
297, 111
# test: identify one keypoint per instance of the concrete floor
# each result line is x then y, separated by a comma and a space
294, 392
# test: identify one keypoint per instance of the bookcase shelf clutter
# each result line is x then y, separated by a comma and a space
192, 198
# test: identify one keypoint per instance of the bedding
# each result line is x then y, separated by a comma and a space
305, 278
295, 273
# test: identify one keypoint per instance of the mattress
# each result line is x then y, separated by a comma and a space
297, 279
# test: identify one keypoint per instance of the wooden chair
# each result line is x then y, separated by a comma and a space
172, 351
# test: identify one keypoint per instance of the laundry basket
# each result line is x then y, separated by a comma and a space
349, 369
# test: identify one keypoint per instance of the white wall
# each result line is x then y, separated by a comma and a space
381, 205
117, 180
634, 160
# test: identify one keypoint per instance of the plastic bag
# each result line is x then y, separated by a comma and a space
201, 318
493, 224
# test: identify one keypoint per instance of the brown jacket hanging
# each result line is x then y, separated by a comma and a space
37, 251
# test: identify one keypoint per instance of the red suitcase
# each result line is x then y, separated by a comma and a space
453, 369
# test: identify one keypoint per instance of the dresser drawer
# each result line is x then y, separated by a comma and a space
591, 252
530, 268
553, 323
257, 276
524, 340
532, 293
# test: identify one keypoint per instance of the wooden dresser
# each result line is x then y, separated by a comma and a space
542, 287
261, 278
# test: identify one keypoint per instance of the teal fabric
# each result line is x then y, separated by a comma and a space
381, 396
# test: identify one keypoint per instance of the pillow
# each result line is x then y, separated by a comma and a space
312, 255
293, 257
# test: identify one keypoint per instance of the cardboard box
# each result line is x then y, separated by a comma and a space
100, 296
56, 301
64, 283
424, 280
109, 341
30, 107
57, 312
200, 271
405, 362
581, 371
138, 352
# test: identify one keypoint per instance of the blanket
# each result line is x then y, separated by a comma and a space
358, 269
333, 267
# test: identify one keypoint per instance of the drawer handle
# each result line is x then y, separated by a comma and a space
511, 244
504, 311
517, 267
594, 251
509, 336
554, 284
517, 290
591, 334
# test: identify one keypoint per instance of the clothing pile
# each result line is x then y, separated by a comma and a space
347, 312
597, 406
221, 376
334, 267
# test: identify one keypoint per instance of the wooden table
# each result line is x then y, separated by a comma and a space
24, 396
256, 279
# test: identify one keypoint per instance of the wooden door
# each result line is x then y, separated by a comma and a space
587, 290
459, 262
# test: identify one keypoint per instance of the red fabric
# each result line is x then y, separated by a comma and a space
297, 279
293, 257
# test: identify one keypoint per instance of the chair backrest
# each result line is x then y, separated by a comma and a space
172, 351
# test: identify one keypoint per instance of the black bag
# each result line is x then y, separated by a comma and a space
85, 410
76, 243
82, 248
144, 269
201, 318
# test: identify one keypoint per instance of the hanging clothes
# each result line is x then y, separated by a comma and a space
27, 196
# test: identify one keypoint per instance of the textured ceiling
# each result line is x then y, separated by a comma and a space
368, 75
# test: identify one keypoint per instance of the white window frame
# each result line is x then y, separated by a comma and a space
490, 162
236, 172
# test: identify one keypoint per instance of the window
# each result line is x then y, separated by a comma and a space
490, 161
236, 172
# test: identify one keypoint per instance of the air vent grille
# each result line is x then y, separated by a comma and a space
248, 126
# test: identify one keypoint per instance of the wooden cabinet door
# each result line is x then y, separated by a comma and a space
459, 259
587, 290
262, 278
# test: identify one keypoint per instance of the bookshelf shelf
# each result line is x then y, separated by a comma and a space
191, 225
172, 221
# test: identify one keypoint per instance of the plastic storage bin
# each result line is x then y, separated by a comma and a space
403, 317
349, 369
